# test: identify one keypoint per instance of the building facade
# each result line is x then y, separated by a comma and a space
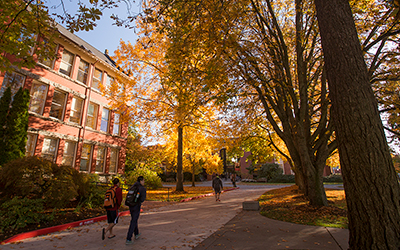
70, 120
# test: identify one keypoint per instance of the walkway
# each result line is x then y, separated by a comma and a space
186, 225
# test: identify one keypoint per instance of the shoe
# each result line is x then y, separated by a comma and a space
137, 236
129, 242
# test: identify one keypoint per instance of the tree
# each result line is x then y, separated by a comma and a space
16, 126
168, 89
275, 71
369, 177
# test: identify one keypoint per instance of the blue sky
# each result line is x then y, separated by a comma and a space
105, 35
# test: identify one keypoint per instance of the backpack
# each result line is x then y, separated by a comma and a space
110, 198
132, 198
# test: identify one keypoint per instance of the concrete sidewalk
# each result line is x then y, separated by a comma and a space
200, 224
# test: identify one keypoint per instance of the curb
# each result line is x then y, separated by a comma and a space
49, 230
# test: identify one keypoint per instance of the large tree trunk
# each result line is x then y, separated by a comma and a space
371, 187
179, 169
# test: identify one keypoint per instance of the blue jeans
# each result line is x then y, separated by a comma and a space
133, 227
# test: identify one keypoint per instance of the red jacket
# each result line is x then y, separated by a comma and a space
118, 193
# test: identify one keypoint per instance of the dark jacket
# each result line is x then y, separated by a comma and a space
142, 191
217, 184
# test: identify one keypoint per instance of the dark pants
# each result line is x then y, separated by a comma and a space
133, 227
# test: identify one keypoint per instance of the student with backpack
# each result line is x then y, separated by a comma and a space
136, 195
112, 202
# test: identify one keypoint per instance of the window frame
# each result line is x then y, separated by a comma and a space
9, 80
89, 160
83, 72
92, 117
38, 107
70, 65
116, 125
30, 146
62, 105
100, 162
67, 156
104, 120
73, 110
96, 79
114, 163
54, 154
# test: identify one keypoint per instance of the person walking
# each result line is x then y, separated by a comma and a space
217, 186
233, 178
135, 210
112, 213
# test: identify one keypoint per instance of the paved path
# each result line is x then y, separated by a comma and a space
179, 226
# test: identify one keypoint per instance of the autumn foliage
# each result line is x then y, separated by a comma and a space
289, 204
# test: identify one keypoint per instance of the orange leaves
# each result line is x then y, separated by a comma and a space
289, 204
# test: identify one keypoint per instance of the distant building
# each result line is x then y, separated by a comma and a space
70, 121
245, 163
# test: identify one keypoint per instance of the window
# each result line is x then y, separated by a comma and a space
43, 60
66, 63
38, 98
110, 80
92, 115
57, 105
76, 109
104, 120
83, 71
30, 145
14, 81
69, 153
85, 158
101, 153
116, 124
49, 148
97, 76
113, 161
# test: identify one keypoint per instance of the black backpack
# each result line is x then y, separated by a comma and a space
133, 196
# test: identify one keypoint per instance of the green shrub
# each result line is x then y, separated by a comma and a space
37, 178
269, 171
333, 178
152, 180
283, 179
18, 213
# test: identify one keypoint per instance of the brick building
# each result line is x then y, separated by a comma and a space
70, 121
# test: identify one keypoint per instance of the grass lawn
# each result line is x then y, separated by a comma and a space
289, 204
165, 193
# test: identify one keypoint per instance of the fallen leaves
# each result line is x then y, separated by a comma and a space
289, 204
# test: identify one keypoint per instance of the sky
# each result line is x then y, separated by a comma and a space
105, 35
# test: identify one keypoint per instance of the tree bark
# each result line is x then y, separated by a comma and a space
179, 169
371, 187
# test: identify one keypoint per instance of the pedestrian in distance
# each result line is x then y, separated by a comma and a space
217, 186
233, 178
138, 192
112, 203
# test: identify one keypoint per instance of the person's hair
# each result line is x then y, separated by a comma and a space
115, 181
140, 178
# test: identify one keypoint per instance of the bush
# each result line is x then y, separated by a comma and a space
333, 178
18, 213
269, 171
37, 178
283, 179
152, 180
